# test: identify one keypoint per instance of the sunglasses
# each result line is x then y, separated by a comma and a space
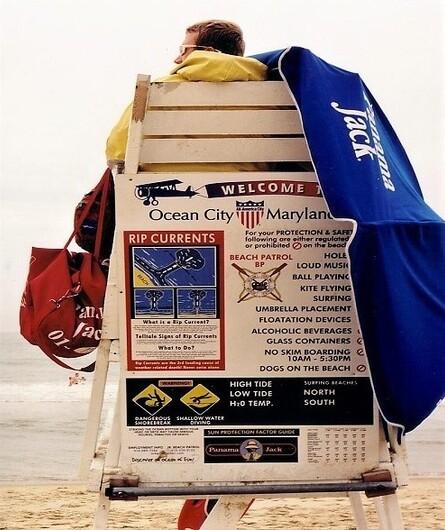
184, 47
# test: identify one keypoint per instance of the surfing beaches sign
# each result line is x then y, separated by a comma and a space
244, 359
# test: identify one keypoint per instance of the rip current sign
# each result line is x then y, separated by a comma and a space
244, 359
175, 281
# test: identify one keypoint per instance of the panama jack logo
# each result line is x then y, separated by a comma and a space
200, 399
365, 137
152, 399
250, 213
251, 450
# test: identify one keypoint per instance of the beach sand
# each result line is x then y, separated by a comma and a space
67, 506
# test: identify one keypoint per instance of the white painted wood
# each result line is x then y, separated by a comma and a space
96, 472
381, 514
303, 176
110, 463
399, 461
239, 122
136, 128
204, 94
392, 511
110, 327
384, 456
226, 513
224, 150
95, 408
399, 456
114, 444
115, 351
102, 511
109, 331
357, 510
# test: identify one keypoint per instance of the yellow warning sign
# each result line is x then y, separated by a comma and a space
152, 399
200, 399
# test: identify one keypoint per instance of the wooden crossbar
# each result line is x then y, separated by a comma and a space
205, 122
224, 150
239, 94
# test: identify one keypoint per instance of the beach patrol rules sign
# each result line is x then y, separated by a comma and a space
244, 359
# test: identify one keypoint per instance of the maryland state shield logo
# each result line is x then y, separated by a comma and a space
250, 213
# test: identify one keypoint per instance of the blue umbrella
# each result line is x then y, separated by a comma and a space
397, 254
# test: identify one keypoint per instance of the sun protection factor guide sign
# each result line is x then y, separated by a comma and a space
242, 343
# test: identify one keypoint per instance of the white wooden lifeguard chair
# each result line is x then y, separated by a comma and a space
251, 135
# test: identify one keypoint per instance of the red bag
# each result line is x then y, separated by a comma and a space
86, 227
62, 305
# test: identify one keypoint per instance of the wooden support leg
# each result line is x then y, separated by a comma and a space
399, 456
357, 510
226, 513
114, 444
111, 463
95, 408
388, 511
102, 510
393, 513
381, 514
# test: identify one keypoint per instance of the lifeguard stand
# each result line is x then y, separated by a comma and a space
230, 309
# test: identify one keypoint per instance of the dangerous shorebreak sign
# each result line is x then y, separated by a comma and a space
242, 341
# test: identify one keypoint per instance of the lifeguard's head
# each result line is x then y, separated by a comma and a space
212, 35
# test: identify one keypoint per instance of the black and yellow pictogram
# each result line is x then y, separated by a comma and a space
152, 399
200, 399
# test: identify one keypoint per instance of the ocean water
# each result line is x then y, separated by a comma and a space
42, 419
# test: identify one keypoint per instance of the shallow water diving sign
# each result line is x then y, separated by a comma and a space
243, 345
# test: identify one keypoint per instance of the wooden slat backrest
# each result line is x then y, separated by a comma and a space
217, 123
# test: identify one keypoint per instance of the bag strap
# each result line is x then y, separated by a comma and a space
57, 360
101, 185
102, 211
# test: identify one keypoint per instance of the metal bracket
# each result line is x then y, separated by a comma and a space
378, 475
124, 481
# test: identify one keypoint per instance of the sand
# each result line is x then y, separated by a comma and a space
71, 507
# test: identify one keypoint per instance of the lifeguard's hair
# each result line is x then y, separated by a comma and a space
222, 35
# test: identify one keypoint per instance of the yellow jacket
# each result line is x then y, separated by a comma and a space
198, 66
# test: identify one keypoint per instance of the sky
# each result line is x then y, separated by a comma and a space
68, 68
